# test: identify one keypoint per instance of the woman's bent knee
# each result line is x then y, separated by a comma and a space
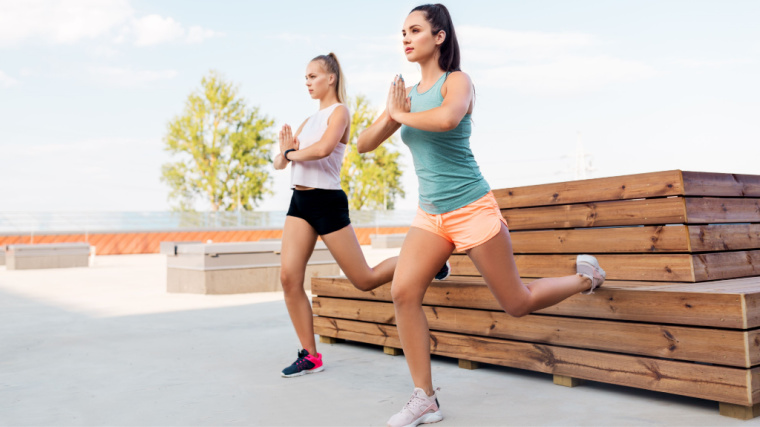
519, 311
291, 282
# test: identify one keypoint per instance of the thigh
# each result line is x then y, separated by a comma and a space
422, 256
496, 263
298, 240
345, 248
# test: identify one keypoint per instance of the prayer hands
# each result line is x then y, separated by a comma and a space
397, 101
287, 141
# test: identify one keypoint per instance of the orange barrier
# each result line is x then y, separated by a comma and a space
149, 242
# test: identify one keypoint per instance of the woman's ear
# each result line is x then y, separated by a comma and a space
440, 37
331, 79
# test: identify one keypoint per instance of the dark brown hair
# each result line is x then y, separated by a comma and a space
440, 20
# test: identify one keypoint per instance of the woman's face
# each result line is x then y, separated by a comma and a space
318, 80
419, 41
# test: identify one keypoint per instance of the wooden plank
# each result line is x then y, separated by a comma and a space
329, 340
686, 304
721, 184
652, 239
665, 341
393, 351
708, 210
726, 265
670, 210
724, 237
567, 381
723, 384
673, 238
649, 267
739, 411
468, 364
645, 185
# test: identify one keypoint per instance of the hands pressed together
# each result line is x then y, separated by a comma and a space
398, 102
287, 140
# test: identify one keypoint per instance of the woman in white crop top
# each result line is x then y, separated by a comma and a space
319, 207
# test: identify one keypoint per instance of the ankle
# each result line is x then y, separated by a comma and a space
586, 281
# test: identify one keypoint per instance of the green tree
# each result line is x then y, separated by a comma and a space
222, 150
371, 180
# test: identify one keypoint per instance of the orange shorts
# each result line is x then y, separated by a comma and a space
466, 227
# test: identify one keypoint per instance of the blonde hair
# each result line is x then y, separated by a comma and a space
331, 64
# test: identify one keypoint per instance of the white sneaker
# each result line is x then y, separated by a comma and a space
588, 266
420, 409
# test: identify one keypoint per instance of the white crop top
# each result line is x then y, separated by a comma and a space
323, 173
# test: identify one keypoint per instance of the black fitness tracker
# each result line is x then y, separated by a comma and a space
285, 154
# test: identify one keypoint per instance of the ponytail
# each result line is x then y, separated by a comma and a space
331, 64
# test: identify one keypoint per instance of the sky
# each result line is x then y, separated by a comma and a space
87, 87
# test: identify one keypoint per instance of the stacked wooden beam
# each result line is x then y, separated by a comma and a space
680, 312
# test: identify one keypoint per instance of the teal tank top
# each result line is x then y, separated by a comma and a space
449, 178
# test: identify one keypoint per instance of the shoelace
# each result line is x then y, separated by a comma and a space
416, 401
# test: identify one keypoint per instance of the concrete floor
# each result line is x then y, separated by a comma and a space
106, 345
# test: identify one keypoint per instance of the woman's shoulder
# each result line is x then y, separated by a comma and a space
339, 110
458, 77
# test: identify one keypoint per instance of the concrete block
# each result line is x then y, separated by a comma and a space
383, 241
230, 268
170, 248
47, 255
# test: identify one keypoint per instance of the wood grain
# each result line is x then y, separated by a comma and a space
721, 184
731, 303
664, 341
723, 384
655, 184
670, 210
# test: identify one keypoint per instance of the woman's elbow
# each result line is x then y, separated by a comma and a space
362, 145
450, 123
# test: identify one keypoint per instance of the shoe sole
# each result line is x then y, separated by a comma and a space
430, 418
298, 374
448, 273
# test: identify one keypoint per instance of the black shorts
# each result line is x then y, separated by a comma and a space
325, 210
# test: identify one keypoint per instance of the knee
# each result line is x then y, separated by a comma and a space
362, 285
291, 282
405, 296
517, 311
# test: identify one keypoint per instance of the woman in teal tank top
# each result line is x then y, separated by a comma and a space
456, 207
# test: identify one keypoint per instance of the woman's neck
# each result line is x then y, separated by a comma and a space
327, 101
430, 71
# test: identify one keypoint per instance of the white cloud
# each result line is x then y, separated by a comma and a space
153, 29
70, 21
61, 21
197, 34
6, 80
129, 77
566, 75
543, 63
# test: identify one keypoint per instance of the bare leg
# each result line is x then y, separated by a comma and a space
298, 240
421, 257
496, 263
345, 248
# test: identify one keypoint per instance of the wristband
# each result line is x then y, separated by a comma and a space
285, 154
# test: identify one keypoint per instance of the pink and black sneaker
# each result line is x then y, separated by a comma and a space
305, 364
